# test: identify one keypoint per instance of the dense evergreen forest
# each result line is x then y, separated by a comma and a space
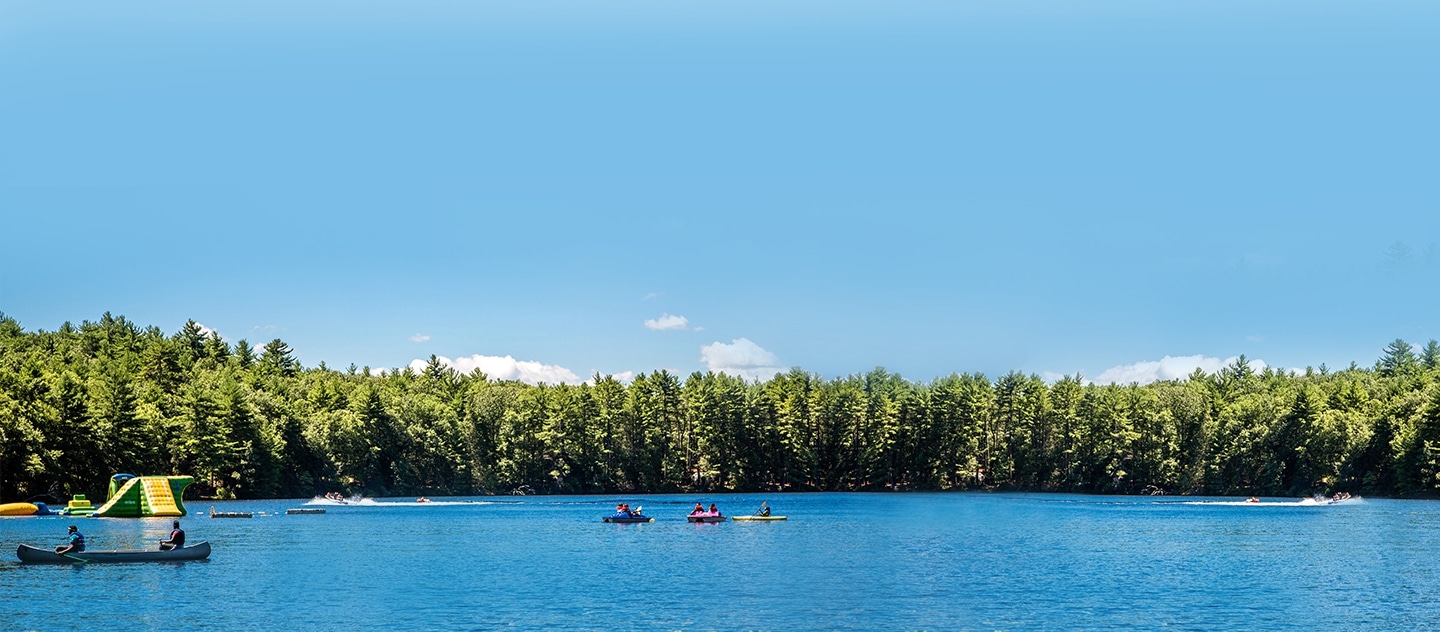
82, 403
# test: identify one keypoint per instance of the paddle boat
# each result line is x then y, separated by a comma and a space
630, 519
707, 517
31, 555
625, 515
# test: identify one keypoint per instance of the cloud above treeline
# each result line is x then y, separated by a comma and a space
1167, 368
741, 358
419, 338
667, 322
506, 368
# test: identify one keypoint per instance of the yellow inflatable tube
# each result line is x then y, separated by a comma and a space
18, 509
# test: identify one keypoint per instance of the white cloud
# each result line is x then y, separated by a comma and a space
650, 296
741, 358
1168, 368
623, 377
205, 331
667, 321
419, 338
506, 368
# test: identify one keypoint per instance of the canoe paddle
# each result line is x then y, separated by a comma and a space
77, 559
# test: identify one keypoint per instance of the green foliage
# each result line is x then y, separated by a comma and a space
81, 403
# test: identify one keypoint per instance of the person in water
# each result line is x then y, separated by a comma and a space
177, 538
76, 543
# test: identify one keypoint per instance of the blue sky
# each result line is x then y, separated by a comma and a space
932, 187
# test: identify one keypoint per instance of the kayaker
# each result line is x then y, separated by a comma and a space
77, 542
764, 510
177, 538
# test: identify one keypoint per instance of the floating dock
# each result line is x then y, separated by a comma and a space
304, 511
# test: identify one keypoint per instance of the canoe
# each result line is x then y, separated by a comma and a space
32, 555
706, 518
627, 519
756, 518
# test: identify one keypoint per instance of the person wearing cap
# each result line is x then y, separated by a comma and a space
77, 542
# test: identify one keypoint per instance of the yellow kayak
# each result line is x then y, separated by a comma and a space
757, 518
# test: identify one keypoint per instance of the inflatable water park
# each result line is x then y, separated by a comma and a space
130, 497
144, 497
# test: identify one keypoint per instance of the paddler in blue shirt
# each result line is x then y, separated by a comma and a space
77, 542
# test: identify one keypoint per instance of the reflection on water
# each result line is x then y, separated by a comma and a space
841, 561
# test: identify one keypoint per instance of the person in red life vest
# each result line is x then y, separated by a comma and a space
177, 538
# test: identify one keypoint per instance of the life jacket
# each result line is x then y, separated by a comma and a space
77, 540
178, 538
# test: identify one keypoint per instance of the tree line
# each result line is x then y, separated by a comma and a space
81, 403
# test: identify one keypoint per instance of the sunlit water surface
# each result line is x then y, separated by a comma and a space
970, 561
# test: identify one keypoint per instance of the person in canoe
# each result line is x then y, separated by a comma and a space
177, 538
76, 543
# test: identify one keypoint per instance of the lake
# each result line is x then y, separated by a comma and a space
953, 561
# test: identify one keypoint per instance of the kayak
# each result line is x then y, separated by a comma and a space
31, 555
756, 518
706, 518
627, 519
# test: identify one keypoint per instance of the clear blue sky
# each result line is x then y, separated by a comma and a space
932, 187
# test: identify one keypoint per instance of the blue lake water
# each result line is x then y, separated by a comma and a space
965, 561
